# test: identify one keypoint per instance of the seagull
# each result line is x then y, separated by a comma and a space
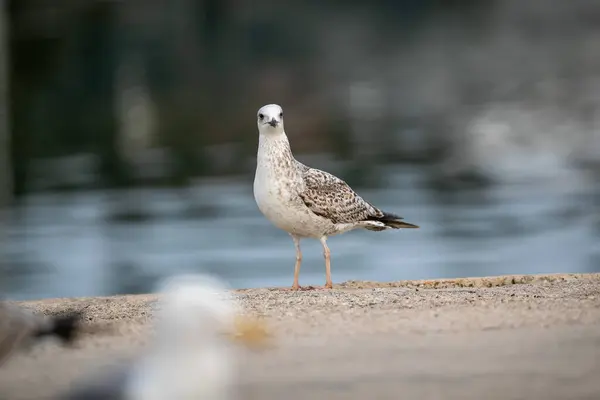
19, 328
191, 356
307, 202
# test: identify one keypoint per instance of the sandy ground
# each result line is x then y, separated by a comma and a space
517, 337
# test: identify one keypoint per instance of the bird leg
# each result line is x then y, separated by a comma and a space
296, 285
327, 255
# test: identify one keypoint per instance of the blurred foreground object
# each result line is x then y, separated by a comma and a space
19, 329
251, 332
307, 202
192, 355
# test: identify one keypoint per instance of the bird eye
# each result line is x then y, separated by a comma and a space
280, 115
261, 116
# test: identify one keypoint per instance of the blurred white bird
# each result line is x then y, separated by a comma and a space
191, 357
20, 329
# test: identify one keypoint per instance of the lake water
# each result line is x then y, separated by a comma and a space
63, 244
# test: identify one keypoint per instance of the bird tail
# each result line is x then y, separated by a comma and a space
64, 327
393, 221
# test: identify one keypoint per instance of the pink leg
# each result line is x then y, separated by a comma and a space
296, 284
327, 255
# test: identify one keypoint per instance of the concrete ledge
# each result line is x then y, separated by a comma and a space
138, 306
479, 282
509, 337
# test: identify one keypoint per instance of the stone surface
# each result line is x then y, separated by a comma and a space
519, 337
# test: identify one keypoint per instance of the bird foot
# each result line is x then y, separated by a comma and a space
305, 288
296, 288
324, 287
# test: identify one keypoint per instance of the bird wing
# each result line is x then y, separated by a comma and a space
330, 197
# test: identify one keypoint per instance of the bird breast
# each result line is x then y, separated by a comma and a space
275, 188
277, 184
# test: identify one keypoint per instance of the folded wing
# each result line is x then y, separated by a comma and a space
330, 197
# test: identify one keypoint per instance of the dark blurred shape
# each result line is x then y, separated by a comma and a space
401, 81
19, 329
5, 154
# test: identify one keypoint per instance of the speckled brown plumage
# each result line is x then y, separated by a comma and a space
330, 197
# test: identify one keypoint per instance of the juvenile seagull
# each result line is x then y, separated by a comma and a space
307, 202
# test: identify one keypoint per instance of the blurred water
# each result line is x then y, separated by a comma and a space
62, 245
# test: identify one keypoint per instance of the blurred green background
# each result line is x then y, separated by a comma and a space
128, 137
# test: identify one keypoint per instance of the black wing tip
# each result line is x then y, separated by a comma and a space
406, 225
394, 221
64, 327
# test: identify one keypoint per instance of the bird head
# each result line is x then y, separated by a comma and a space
270, 119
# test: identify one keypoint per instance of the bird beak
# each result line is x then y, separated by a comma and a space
250, 332
273, 122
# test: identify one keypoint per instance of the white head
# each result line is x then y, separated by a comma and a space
270, 119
